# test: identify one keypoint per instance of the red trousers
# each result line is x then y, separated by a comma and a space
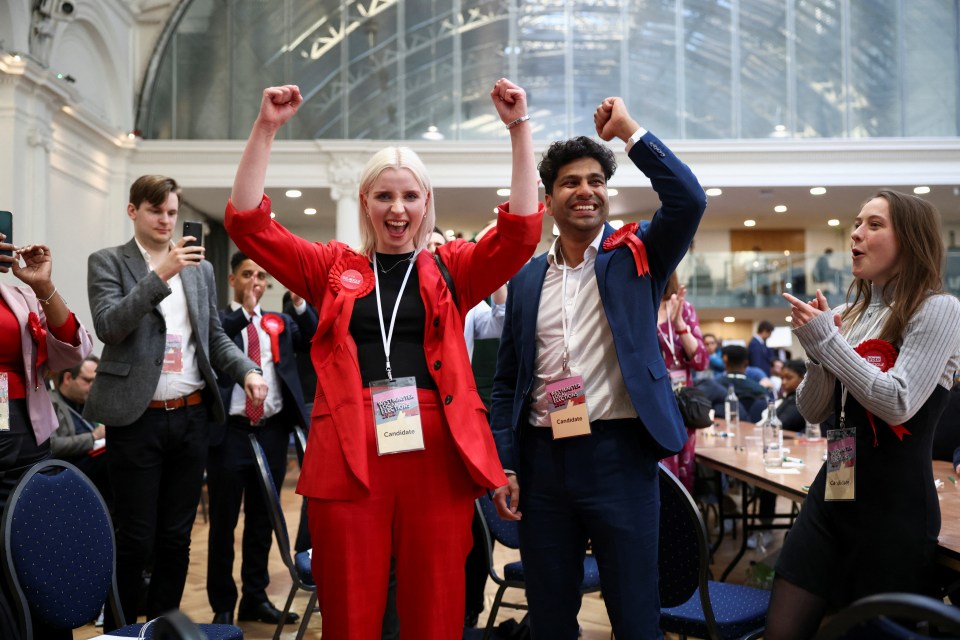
419, 512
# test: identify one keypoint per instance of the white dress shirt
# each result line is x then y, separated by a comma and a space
238, 398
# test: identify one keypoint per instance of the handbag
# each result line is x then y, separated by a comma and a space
694, 407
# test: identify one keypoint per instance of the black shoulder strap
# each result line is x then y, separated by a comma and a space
446, 277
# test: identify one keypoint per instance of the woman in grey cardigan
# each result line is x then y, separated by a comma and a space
883, 365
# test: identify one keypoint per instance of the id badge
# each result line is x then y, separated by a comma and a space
396, 415
841, 464
567, 407
4, 403
173, 354
678, 378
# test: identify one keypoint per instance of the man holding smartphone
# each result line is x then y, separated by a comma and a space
153, 303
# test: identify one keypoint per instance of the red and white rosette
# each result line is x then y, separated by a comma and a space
273, 325
882, 355
351, 276
627, 235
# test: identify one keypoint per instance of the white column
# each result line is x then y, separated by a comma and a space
345, 191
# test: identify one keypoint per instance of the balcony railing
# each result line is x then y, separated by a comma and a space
750, 279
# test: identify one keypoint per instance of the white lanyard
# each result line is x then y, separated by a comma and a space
563, 307
669, 341
388, 337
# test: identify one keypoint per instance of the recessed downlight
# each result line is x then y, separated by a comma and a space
293, 193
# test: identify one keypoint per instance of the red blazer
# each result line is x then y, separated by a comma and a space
330, 276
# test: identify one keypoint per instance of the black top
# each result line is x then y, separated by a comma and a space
406, 349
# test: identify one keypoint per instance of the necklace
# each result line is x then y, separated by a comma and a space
393, 266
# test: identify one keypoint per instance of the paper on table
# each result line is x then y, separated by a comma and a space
783, 470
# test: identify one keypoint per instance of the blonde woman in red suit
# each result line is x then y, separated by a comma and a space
387, 314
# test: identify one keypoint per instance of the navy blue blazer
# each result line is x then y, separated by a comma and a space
296, 335
630, 303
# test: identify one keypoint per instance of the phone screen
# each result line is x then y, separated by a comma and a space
6, 228
194, 229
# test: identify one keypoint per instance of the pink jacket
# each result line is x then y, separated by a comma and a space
60, 355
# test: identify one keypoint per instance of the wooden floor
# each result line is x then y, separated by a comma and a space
593, 616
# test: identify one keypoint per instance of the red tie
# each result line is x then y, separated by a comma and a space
255, 413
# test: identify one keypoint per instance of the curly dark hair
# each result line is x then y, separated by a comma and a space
564, 152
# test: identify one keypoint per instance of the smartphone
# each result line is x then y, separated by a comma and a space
6, 228
194, 229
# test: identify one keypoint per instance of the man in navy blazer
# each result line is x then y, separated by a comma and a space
582, 403
232, 474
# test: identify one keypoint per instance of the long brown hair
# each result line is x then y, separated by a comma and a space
916, 226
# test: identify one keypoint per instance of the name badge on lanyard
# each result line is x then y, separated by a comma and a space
4, 403
396, 415
841, 463
396, 408
173, 354
567, 407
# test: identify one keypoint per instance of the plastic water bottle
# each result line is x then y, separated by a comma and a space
772, 438
813, 431
731, 411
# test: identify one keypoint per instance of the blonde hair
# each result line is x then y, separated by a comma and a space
395, 158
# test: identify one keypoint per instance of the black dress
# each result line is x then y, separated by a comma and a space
885, 540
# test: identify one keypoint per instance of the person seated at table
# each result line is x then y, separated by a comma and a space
752, 395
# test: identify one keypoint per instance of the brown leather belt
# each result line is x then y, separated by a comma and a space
177, 403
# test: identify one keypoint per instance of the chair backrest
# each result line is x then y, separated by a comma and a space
684, 555
300, 442
506, 532
271, 496
175, 625
59, 549
882, 617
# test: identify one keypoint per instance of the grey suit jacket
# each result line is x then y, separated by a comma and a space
66, 443
124, 297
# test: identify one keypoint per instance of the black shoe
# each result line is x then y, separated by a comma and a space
224, 617
265, 612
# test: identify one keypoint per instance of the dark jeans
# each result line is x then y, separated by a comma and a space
156, 472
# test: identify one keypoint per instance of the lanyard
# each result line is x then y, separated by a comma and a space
563, 308
669, 341
388, 336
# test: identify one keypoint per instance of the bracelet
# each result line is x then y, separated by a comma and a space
48, 298
511, 125
685, 331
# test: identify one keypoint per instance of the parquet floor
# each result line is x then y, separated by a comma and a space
593, 616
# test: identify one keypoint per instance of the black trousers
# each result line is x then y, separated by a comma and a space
232, 479
156, 472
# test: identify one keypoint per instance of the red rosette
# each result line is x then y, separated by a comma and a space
882, 355
879, 353
273, 325
351, 275
39, 335
627, 235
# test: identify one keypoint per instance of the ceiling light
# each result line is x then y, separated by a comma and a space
729, 319
818, 191
612, 192
714, 191
273, 214
432, 133
310, 211
294, 193
786, 252
749, 223
921, 190
833, 222
450, 234
503, 193
780, 208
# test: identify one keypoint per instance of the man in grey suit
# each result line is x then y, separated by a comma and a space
154, 307
78, 440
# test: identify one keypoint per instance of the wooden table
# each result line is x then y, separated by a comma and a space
740, 456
